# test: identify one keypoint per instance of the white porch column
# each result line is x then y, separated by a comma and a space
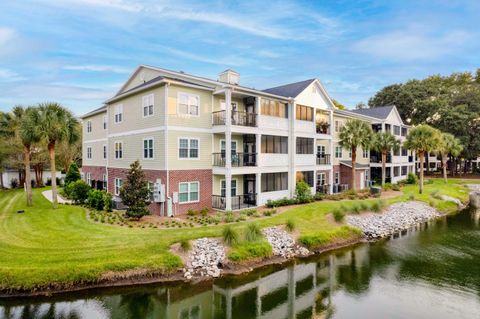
228, 149
331, 146
258, 187
292, 147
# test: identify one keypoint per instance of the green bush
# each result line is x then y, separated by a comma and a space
281, 202
356, 209
364, 206
191, 212
230, 235
411, 197
95, 199
290, 225
388, 186
204, 211
338, 214
269, 212
73, 174
436, 194
378, 205
396, 187
411, 178
185, 245
107, 201
78, 191
249, 212
228, 217
253, 233
302, 192
317, 240
250, 250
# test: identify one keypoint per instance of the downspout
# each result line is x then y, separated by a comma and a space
167, 182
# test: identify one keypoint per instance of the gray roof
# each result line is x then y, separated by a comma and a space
357, 165
380, 112
157, 79
290, 90
96, 111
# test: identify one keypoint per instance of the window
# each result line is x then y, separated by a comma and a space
396, 171
304, 145
320, 150
404, 170
274, 108
147, 102
304, 113
404, 131
104, 182
233, 188
188, 192
306, 176
272, 182
104, 122
89, 126
350, 153
148, 148
396, 152
118, 113
338, 126
233, 147
365, 154
274, 144
234, 106
396, 130
321, 179
89, 152
338, 152
337, 178
118, 186
188, 148
188, 104
104, 151
118, 150
404, 151
89, 179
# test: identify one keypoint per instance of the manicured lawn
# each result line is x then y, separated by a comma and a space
45, 247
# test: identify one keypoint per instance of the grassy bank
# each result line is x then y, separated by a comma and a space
44, 248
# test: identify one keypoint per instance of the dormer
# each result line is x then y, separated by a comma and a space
229, 76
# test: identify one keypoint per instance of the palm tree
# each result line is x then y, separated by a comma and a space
353, 134
56, 124
422, 139
19, 125
449, 144
383, 143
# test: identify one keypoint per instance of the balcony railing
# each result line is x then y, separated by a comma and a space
323, 159
238, 118
377, 158
238, 159
238, 201
338, 188
323, 189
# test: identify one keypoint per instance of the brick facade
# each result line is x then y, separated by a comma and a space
96, 174
175, 177
346, 175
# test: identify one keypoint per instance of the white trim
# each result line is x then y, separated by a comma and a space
148, 96
115, 186
89, 148
153, 148
236, 186
232, 141
115, 113
89, 126
105, 122
188, 149
104, 151
188, 192
94, 141
188, 95
115, 150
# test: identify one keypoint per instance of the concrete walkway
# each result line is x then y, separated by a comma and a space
60, 199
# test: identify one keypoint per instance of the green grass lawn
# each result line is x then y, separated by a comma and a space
46, 248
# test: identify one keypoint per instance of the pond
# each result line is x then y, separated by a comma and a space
432, 271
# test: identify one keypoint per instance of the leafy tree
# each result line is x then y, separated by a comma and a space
73, 174
302, 191
68, 152
56, 124
448, 144
339, 105
422, 139
383, 143
355, 133
135, 193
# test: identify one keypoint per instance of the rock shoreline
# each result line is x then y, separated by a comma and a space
394, 219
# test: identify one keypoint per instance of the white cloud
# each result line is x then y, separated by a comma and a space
6, 35
9, 76
112, 4
411, 44
97, 68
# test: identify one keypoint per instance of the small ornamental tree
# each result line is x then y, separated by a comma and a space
135, 193
73, 174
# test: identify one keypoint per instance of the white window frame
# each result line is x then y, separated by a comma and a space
188, 96
89, 152
89, 178
233, 150
222, 182
324, 178
233, 105
338, 125
153, 148
336, 152
366, 153
105, 151
189, 139
321, 150
189, 201
89, 126
105, 122
118, 185
118, 110
104, 180
146, 99
336, 178
115, 149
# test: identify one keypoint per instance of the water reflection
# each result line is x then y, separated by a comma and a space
426, 266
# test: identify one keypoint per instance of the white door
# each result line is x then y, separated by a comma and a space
362, 180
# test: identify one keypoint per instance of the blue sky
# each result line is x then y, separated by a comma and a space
79, 52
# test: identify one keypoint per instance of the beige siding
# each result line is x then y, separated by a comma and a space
205, 153
97, 127
218, 137
217, 183
133, 150
218, 99
97, 154
133, 112
203, 120
142, 76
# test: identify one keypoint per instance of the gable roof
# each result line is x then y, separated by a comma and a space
155, 80
290, 90
380, 112
101, 109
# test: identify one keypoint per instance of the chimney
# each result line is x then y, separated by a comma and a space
229, 76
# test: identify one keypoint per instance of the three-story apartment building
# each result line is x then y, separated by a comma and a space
213, 143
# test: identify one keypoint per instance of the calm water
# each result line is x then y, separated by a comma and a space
429, 272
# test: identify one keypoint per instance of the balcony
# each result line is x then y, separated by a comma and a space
377, 158
238, 118
238, 201
323, 189
238, 159
323, 159
323, 128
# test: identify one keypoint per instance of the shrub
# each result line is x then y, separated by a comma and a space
230, 235
250, 250
269, 212
191, 212
135, 193
228, 217
435, 194
253, 233
319, 239
73, 174
396, 187
290, 225
388, 186
364, 206
204, 212
249, 212
378, 206
95, 199
338, 214
302, 192
411, 197
107, 201
14, 183
318, 196
411, 178
281, 202
185, 245
79, 191
356, 209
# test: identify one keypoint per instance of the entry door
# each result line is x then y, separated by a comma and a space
320, 150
